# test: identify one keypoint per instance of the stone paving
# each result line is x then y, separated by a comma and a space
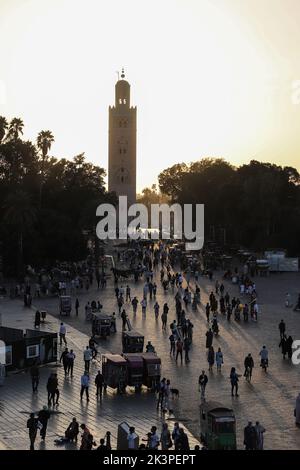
17, 399
270, 398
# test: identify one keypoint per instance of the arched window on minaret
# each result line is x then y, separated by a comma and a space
122, 92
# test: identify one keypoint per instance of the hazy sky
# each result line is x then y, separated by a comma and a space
209, 77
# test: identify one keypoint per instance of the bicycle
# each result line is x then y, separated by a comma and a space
248, 374
264, 364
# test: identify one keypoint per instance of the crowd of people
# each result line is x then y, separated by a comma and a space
156, 263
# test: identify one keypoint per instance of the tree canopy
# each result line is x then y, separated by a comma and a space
257, 205
39, 231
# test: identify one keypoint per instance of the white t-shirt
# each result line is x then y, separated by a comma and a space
131, 438
87, 354
62, 330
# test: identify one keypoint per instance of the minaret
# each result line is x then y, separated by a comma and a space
122, 143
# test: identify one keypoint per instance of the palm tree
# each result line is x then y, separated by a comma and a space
15, 129
3, 127
20, 215
44, 141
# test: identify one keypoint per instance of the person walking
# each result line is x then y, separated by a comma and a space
283, 345
117, 290
219, 359
165, 437
203, 379
70, 362
222, 288
32, 426
99, 382
56, 390
64, 360
281, 328
124, 320
246, 312
179, 347
229, 312
175, 433
35, 377
161, 393
37, 319
128, 292
255, 311
264, 358
77, 307
164, 319
85, 383
209, 338
234, 380
134, 304
120, 303
154, 438
166, 398
189, 328
52, 388
186, 347
207, 311
249, 364
210, 358
62, 334
87, 357
113, 323
43, 418
172, 344
259, 431
166, 308
131, 438
289, 347
156, 309
182, 441
297, 411
249, 437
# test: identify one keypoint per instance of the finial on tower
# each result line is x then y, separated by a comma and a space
123, 74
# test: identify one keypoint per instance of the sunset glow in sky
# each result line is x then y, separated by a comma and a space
209, 77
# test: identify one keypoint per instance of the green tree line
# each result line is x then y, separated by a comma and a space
257, 205
48, 204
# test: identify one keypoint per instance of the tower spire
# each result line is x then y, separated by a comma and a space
123, 73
